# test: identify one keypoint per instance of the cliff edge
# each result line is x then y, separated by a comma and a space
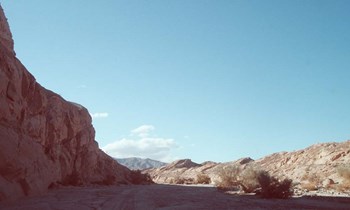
44, 140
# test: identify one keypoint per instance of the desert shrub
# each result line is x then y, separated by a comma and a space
344, 172
189, 180
228, 178
312, 181
271, 187
137, 177
311, 178
310, 186
203, 179
109, 180
182, 180
178, 180
249, 180
234, 177
72, 179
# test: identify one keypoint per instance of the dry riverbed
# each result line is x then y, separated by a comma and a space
165, 197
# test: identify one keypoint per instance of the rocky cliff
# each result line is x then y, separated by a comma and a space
44, 139
316, 165
319, 162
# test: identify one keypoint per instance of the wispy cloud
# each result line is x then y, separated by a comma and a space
142, 145
143, 130
99, 115
82, 86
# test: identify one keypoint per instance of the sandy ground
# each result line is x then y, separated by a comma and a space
164, 197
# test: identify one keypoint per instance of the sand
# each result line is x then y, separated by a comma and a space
164, 197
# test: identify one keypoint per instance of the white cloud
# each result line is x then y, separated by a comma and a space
142, 146
143, 130
99, 115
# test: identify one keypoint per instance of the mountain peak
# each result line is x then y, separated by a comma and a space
136, 163
6, 40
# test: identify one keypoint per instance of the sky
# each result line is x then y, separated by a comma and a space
201, 79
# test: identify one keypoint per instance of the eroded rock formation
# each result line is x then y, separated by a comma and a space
317, 164
44, 139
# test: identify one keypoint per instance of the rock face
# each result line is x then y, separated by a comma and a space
317, 164
6, 35
44, 140
139, 163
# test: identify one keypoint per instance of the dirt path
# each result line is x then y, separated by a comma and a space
164, 197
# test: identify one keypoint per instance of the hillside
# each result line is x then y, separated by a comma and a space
317, 165
134, 163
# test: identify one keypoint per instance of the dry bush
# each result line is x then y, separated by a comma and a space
178, 180
72, 179
137, 177
203, 179
343, 187
228, 178
182, 180
271, 187
233, 177
312, 181
312, 178
310, 186
189, 181
344, 172
249, 180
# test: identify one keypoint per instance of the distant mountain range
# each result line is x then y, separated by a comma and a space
139, 163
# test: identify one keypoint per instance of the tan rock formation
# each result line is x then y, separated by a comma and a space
44, 139
317, 164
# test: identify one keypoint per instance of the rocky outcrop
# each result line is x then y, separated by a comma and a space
6, 35
317, 164
44, 139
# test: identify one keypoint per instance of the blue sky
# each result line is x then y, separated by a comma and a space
206, 80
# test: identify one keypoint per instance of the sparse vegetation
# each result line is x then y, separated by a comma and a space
178, 180
109, 180
234, 177
182, 180
310, 186
137, 177
189, 181
203, 179
344, 172
311, 181
250, 180
271, 187
229, 178
72, 179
